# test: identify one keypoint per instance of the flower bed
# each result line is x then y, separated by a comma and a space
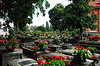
56, 60
94, 38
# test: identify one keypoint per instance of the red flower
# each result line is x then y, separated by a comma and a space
45, 57
54, 59
67, 62
63, 58
78, 49
54, 56
94, 57
39, 62
77, 46
47, 62
34, 46
58, 57
67, 57
87, 49
82, 47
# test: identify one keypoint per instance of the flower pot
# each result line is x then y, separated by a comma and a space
77, 59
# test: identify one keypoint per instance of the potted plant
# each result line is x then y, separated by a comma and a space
12, 43
81, 53
43, 45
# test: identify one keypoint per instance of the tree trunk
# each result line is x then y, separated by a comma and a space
80, 33
16, 26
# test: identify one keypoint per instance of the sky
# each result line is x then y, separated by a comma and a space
40, 20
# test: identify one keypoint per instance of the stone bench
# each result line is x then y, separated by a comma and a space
22, 62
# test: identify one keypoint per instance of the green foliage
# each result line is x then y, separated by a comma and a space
34, 38
25, 28
82, 53
77, 17
40, 28
47, 26
21, 11
92, 49
57, 20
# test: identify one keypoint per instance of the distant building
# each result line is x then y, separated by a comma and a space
96, 4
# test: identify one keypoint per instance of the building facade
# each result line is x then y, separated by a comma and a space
96, 4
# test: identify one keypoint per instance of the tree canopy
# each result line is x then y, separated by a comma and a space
20, 12
56, 16
77, 15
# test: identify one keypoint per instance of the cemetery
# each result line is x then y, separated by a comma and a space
47, 48
70, 37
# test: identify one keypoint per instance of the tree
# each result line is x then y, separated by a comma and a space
56, 16
20, 11
40, 28
47, 26
76, 15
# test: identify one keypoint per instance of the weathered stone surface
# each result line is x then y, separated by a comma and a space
67, 51
22, 62
6, 56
